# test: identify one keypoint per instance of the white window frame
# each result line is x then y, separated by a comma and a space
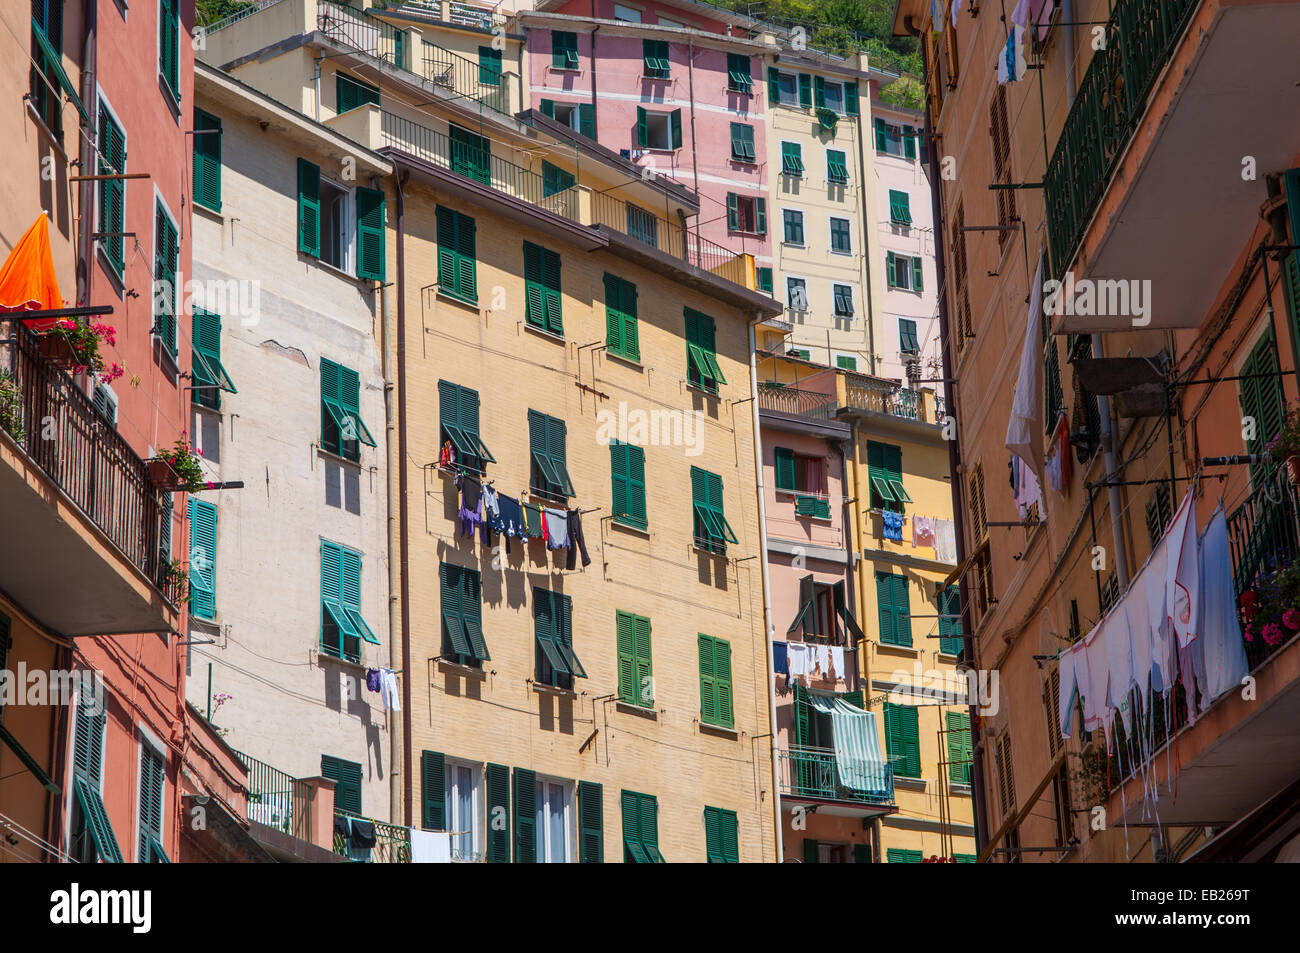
834, 314
826, 86
543, 831
149, 740
830, 231
781, 98
902, 149
789, 303
348, 245
477, 801
667, 119
803, 225
574, 121
910, 284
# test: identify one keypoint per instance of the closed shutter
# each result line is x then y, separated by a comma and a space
591, 823
433, 790
542, 288
203, 559
950, 630
207, 160
811, 851
625, 629
861, 854
902, 611
644, 685
631, 816
309, 208
152, 782
958, 740
371, 239
166, 254
346, 776
805, 90
708, 691
498, 813
784, 457
722, 682
621, 317
627, 469
902, 740
489, 66
112, 192
169, 46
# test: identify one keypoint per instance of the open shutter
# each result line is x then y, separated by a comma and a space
918, 283
591, 823
675, 121
587, 120
819, 92
207, 160
497, 778
625, 626
642, 128
733, 211
433, 790
773, 86
370, 234
466, 258
784, 468
760, 216
802, 716
805, 90
708, 693
554, 317
203, 559
851, 98
309, 208
644, 685
525, 816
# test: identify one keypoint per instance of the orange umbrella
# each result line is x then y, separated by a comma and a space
27, 280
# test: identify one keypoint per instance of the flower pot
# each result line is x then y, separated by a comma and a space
1293, 468
162, 475
56, 350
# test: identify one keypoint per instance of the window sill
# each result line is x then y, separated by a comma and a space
910, 784
707, 552
631, 709
544, 333
842, 253
445, 295
171, 98
542, 688
630, 527
465, 671
623, 359
56, 143
204, 408
731, 734
323, 656
565, 69
703, 390
961, 790
331, 455
743, 161
800, 245
656, 79
214, 214
902, 649
345, 275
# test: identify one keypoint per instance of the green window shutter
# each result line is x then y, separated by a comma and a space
542, 287
902, 611
525, 786
210, 377
909, 143
166, 259
959, 746
902, 740
765, 280
630, 808
760, 216
207, 160
654, 54
1261, 398
837, 169
455, 642
895, 855
169, 45
88, 745
791, 158
643, 687
112, 192
309, 208
564, 50
899, 208
851, 98
150, 807
784, 468
587, 120
547, 107
708, 693
497, 781
675, 122
715, 664
433, 790
805, 90
555, 179
627, 469
203, 559
739, 77
471, 154
907, 340
891, 267
713, 836
917, 277
642, 128
950, 630
819, 92
621, 317
371, 237
625, 625
733, 211
346, 776
742, 142
489, 66
811, 851
885, 604
591, 823
882, 136
350, 93
861, 854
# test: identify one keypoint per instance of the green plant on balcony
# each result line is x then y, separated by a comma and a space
178, 468
11, 406
1271, 607
176, 579
1285, 445
1090, 778
75, 344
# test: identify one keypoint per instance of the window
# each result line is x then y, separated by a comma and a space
895, 855
471, 154
907, 342
47, 74
1159, 513
464, 809
900, 212
841, 243
166, 254
554, 822
843, 295
627, 469
904, 272
641, 829
658, 130
796, 294
764, 279
346, 776
792, 220
342, 429
642, 225
739, 77
896, 140
702, 368
325, 227
458, 415
721, 838
630, 14
789, 88
557, 664
957, 737
210, 377
712, 531
91, 833
885, 471
489, 66
342, 626
591, 823
169, 38
715, 681
1001, 141
620, 317
1006, 773
800, 352
746, 214
799, 473
902, 740
564, 50
837, 168
105, 403
820, 605
152, 785
112, 192
461, 593
665, 21
579, 117
550, 473
203, 559
846, 362
635, 672
457, 255
835, 96
742, 142
352, 93
207, 160
1260, 395
542, 288
950, 630
654, 55
895, 612
334, 244
791, 159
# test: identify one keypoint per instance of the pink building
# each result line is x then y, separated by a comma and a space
675, 86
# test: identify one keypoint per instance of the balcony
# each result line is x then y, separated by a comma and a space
795, 402
467, 78
872, 395
811, 774
278, 800
392, 844
80, 515
1135, 188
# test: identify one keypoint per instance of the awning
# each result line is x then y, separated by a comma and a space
27, 279
1025, 428
858, 758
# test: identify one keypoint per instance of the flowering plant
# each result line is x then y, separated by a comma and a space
11, 406
174, 575
184, 462
1271, 607
84, 338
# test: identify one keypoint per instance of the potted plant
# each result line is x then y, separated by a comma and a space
178, 468
1286, 444
175, 579
1271, 607
74, 344
11, 407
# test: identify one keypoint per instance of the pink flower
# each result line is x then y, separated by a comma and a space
199, 452
1291, 619
212, 486
1272, 633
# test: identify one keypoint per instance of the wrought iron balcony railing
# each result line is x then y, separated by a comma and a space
375, 37
877, 396
479, 82
277, 799
792, 400
812, 772
392, 843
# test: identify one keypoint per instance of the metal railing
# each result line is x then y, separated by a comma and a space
255, 6
1264, 538
792, 400
1141, 36
474, 81
392, 843
884, 397
365, 34
84, 455
812, 772
277, 799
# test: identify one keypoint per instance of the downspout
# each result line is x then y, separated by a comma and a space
695, 170
86, 153
408, 672
860, 534
866, 240
394, 582
316, 82
769, 629
595, 125
954, 467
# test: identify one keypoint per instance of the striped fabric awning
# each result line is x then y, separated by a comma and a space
858, 758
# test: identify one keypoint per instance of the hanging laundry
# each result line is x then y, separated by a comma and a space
430, 847
945, 541
1224, 650
512, 518
471, 499
893, 525
837, 663
938, 16
1183, 572
1094, 699
1025, 427
799, 658
534, 525
576, 540
1036, 13
922, 530
779, 663
1057, 464
447, 458
956, 6
372, 679
1027, 491
492, 510
557, 528
1119, 664
1011, 62
1067, 689
388, 689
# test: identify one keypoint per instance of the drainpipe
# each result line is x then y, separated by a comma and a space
408, 671
860, 534
863, 185
595, 126
394, 581
316, 81
86, 153
769, 630
1067, 26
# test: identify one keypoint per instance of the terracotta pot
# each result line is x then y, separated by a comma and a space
1293, 468
162, 475
56, 350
